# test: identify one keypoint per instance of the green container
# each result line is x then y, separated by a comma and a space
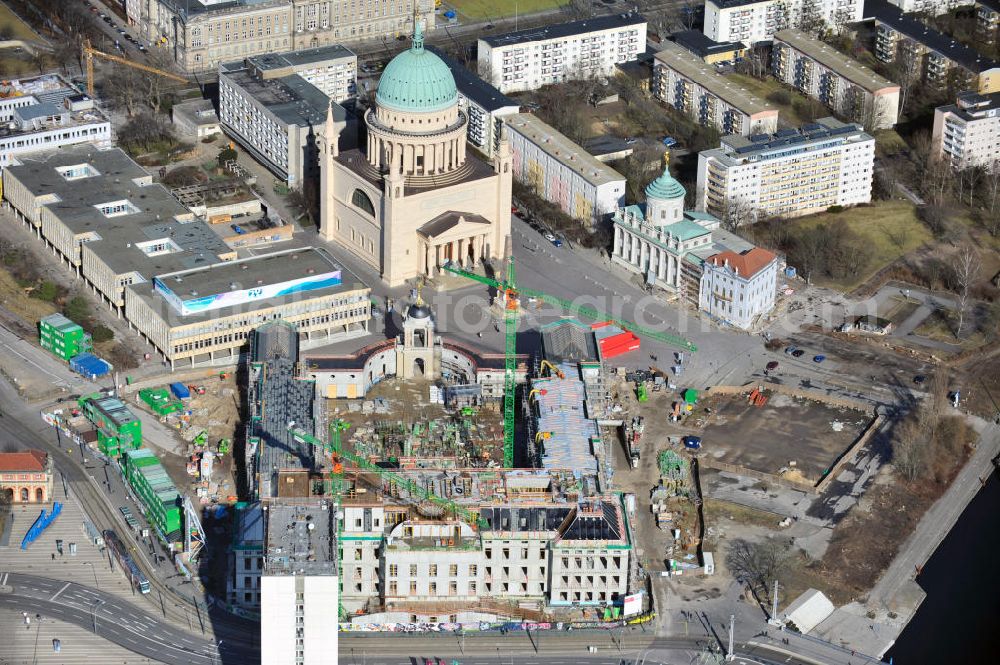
160, 401
62, 337
150, 481
118, 429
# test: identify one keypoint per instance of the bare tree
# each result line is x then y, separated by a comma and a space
123, 86
810, 251
965, 265
756, 564
736, 213
907, 70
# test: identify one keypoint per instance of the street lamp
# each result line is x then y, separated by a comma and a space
93, 568
97, 605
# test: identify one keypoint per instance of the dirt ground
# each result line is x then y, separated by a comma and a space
407, 402
786, 434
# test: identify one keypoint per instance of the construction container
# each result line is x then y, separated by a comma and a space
118, 429
159, 400
62, 337
151, 483
614, 340
180, 391
90, 366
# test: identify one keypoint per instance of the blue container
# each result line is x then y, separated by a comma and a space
180, 391
790, 271
89, 365
449, 14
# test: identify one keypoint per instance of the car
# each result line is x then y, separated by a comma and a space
669, 141
771, 366
630, 140
798, 353
692, 442
142, 48
552, 239
919, 379
790, 350
819, 358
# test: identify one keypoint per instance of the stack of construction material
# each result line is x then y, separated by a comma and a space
614, 340
568, 436
62, 337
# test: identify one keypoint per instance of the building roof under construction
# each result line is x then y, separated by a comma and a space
568, 339
563, 423
300, 540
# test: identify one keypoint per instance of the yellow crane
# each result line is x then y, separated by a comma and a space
89, 53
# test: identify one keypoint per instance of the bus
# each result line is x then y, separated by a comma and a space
118, 548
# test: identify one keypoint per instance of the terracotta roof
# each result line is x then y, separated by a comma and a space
747, 264
28, 460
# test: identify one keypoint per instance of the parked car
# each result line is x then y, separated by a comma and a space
771, 366
798, 353
819, 358
919, 379
790, 350
669, 141
692, 442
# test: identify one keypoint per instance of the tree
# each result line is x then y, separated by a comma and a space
102, 334
756, 565
907, 70
736, 213
965, 266
156, 87
808, 251
123, 87
146, 133
77, 309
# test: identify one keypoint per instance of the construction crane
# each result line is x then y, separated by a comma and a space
89, 53
337, 452
511, 294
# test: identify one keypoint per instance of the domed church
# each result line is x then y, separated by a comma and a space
414, 199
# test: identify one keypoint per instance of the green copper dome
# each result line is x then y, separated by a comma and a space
417, 80
665, 187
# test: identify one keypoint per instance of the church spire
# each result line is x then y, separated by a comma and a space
418, 31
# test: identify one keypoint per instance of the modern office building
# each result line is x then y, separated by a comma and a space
332, 69
842, 84
967, 133
788, 173
202, 34
938, 58
561, 171
45, 112
102, 214
205, 314
277, 117
712, 52
414, 198
753, 21
484, 105
530, 59
299, 585
685, 82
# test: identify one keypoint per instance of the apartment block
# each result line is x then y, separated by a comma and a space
46, 112
939, 58
987, 20
484, 105
753, 21
530, 59
711, 52
332, 69
276, 117
932, 7
685, 82
561, 171
202, 34
841, 83
967, 133
788, 173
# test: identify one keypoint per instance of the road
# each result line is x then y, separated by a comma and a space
23, 425
126, 624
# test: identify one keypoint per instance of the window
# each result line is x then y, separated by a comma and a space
393, 570
433, 570
473, 570
433, 588
453, 570
413, 570
117, 208
360, 200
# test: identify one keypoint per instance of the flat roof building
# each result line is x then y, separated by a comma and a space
484, 105
562, 171
46, 112
841, 83
332, 69
299, 586
966, 133
753, 21
712, 52
938, 54
278, 119
790, 173
207, 314
530, 59
685, 82
105, 217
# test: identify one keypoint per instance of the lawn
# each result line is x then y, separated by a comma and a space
15, 64
891, 228
491, 10
18, 28
15, 300
787, 115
